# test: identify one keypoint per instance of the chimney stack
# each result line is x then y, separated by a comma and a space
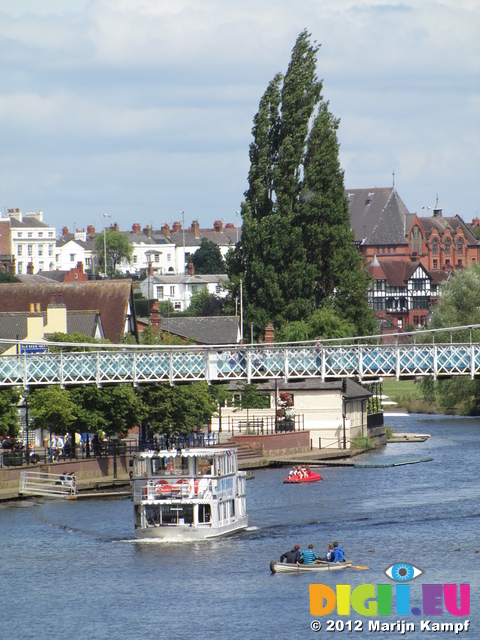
136, 228
166, 230
155, 318
177, 226
191, 269
196, 228
64, 231
91, 231
217, 226
269, 333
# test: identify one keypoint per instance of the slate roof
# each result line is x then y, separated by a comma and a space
350, 389
377, 216
111, 298
14, 325
206, 330
27, 222
186, 279
454, 223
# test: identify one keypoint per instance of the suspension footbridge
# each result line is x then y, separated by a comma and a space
361, 358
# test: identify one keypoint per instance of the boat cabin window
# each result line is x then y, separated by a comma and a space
140, 467
205, 466
170, 466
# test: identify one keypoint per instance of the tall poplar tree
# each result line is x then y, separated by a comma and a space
297, 252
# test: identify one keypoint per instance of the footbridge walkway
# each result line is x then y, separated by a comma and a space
364, 358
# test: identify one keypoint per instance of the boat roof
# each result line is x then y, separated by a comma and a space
197, 452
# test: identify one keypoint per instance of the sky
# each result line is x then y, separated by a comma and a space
142, 109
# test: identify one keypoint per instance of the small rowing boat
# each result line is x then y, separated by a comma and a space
280, 567
313, 476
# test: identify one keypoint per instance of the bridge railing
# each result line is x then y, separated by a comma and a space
252, 363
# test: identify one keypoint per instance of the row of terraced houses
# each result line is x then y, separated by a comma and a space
408, 255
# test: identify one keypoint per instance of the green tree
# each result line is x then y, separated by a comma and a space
458, 305
204, 303
297, 253
7, 277
208, 259
176, 410
252, 398
118, 248
52, 409
112, 410
9, 399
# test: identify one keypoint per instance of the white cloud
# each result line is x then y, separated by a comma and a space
149, 103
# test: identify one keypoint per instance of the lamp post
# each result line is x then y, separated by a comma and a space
183, 231
105, 216
237, 214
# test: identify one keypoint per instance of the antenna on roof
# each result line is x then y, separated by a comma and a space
393, 178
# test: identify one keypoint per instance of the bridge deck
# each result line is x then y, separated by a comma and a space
238, 362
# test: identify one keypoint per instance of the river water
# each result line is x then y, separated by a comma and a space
72, 570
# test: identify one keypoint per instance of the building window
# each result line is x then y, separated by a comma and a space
135, 258
435, 264
159, 293
400, 323
19, 234
50, 249
169, 257
460, 245
418, 284
40, 249
448, 242
460, 262
88, 262
20, 250
30, 234
379, 304
40, 234
20, 267
177, 306
157, 258
172, 291
380, 285
50, 234
72, 257
30, 249
447, 263
435, 246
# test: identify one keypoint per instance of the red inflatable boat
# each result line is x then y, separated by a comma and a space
299, 479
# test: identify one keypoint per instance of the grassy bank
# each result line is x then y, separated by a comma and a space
408, 395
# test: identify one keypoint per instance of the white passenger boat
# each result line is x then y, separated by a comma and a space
188, 494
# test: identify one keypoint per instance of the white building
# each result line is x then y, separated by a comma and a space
178, 289
32, 241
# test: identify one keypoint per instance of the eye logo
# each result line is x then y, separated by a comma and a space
403, 572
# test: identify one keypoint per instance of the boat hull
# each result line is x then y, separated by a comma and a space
186, 532
313, 477
280, 567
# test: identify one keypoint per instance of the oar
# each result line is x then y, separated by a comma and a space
360, 567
